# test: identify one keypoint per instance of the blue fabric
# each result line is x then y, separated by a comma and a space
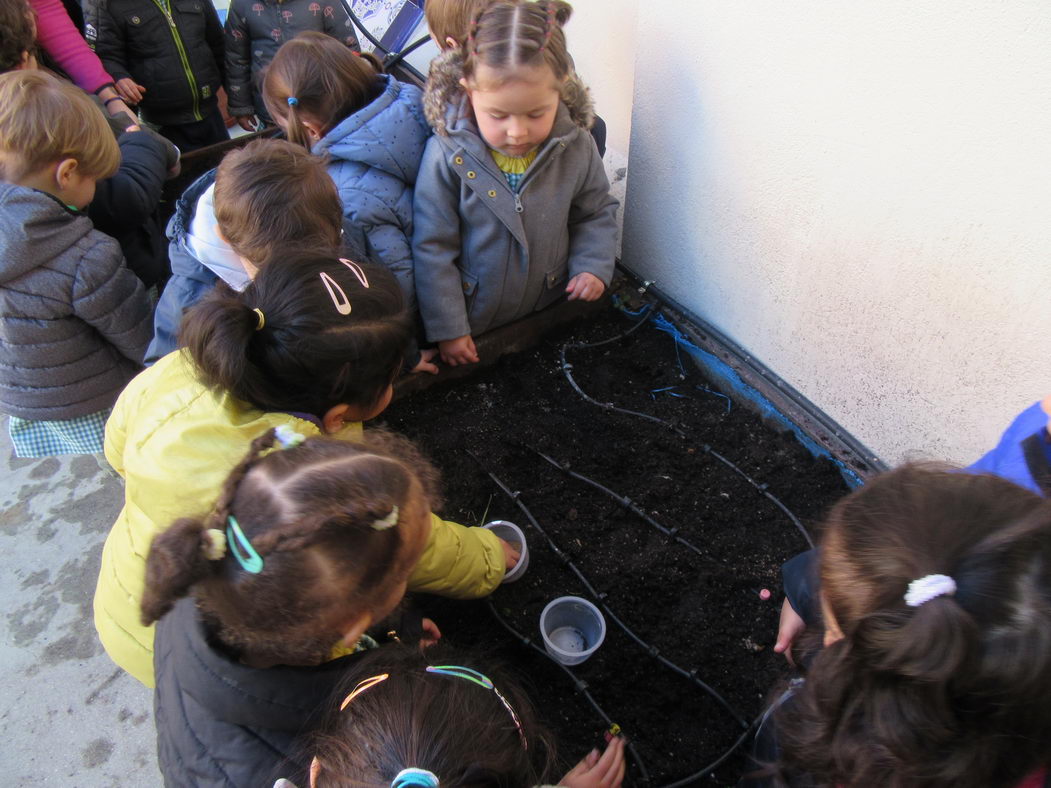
82, 435
374, 160
1007, 459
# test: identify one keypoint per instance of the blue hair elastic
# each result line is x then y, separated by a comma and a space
242, 549
293, 101
414, 777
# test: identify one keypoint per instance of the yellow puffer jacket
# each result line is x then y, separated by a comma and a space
174, 442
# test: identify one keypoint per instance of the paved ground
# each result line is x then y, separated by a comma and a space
68, 716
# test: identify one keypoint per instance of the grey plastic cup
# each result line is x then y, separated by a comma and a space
513, 535
572, 629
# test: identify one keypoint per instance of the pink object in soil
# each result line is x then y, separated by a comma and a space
765, 594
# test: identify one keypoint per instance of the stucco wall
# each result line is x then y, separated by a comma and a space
859, 194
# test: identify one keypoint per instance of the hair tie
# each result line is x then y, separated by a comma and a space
262, 319
927, 588
550, 27
287, 437
414, 776
293, 101
214, 545
242, 549
383, 523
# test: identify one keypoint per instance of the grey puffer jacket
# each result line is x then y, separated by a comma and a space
74, 321
484, 255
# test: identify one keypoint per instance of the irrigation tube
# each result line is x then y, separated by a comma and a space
390, 58
600, 598
567, 369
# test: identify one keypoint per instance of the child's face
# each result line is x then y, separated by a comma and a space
517, 116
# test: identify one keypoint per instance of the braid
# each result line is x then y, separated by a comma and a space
549, 25
237, 475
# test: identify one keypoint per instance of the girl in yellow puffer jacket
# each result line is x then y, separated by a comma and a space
313, 343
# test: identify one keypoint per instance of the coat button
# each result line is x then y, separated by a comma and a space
458, 160
471, 174
467, 287
492, 192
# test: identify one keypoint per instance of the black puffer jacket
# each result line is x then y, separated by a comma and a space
179, 63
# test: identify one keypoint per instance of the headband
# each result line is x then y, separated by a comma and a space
927, 588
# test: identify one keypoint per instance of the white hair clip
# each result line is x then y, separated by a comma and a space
927, 588
357, 270
340, 301
287, 437
389, 521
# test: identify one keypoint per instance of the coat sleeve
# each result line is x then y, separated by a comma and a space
386, 240
436, 245
238, 58
593, 221
459, 562
339, 26
129, 198
110, 44
117, 431
61, 39
803, 586
109, 297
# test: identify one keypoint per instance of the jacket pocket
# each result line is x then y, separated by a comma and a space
554, 286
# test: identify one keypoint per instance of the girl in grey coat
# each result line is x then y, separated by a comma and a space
512, 206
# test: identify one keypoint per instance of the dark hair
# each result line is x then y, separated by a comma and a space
272, 195
324, 79
955, 691
446, 724
452, 18
302, 354
309, 512
17, 33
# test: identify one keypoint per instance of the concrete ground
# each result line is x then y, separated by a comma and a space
68, 716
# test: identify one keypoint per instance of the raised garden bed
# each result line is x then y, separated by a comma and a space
696, 605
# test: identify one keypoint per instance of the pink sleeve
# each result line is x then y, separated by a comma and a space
57, 35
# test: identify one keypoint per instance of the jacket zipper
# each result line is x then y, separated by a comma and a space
165, 7
519, 208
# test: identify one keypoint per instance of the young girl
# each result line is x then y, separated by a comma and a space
512, 199
372, 130
308, 547
312, 343
431, 718
936, 671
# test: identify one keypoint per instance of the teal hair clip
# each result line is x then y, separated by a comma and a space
460, 672
242, 549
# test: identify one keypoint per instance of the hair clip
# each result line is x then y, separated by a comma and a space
287, 437
485, 682
414, 776
361, 686
357, 270
383, 523
213, 546
238, 543
293, 101
927, 588
262, 319
342, 303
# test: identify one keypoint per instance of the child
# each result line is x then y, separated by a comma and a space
308, 547
166, 57
406, 712
372, 130
512, 199
256, 29
313, 343
225, 225
936, 671
75, 321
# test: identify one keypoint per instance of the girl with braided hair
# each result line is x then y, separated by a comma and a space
512, 208
262, 603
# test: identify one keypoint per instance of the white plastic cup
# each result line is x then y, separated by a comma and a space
513, 535
572, 629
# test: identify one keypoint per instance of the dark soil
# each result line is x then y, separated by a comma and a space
703, 613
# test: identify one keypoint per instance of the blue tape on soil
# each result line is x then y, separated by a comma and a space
721, 372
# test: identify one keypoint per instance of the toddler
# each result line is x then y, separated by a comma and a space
312, 343
309, 547
512, 199
263, 198
75, 321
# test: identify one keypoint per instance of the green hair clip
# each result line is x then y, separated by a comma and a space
242, 549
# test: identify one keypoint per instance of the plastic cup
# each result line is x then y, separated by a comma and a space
572, 629
513, 535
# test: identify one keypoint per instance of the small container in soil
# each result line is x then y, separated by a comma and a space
572, 629
513, 535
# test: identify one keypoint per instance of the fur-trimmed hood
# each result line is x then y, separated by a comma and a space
443, 93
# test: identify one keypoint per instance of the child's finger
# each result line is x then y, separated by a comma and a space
607, 765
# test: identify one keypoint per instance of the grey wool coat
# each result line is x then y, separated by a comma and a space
74, 321
485, 256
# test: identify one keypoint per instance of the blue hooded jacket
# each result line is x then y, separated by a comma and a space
374, 156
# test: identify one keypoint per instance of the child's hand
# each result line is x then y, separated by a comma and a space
458, 351
130, 90
511, 554
595, 771
431, 633
426, 362
791, 627
586, 287
247, 122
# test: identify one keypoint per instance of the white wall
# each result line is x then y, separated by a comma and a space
858, 193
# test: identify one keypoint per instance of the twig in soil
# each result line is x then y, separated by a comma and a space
628, 504
581, 686
600, 598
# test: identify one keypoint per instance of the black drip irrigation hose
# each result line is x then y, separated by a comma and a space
389, 58
630, 505
600, 599
763, 488
580, 685
394, 58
